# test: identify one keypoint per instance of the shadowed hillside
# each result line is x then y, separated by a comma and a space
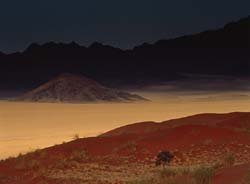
223, 51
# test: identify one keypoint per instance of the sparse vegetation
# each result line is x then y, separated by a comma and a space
228, 159
199, 175
76, 136
23, 164
217, 165
62, 163
131, 145
184, 170
132, 163
170, 175
203, 175
164, 158
79, 156
168, 172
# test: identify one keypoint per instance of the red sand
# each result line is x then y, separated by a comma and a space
149, 138
230, 120
232, 175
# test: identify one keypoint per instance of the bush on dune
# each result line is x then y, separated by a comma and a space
76, 136
79, 156
168, 172
164, 158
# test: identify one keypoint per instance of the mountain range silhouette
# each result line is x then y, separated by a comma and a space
224, 51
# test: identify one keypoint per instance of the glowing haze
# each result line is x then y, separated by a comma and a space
27, 126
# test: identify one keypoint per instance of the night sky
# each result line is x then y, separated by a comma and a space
122, 23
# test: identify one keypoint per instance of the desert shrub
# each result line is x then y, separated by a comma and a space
62, 163
164, 158
79, 156
217, 165
203, 175
175, 176
76, 136
27, 164
19, 155
168, 172
170, 175
131, 145
228, 159
184, 171
33, 164
8, 159
43, 154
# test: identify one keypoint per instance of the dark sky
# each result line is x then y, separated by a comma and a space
122, 23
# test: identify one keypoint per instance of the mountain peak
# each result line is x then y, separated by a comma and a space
73, 88
96, 45
33, 46
73, 78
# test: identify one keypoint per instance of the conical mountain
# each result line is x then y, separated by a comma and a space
73, 88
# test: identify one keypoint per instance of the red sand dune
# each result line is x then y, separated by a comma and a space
195, 135
230, 120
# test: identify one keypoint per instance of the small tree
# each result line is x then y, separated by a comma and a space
164, 158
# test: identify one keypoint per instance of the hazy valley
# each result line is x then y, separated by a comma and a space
176, 111
28, 126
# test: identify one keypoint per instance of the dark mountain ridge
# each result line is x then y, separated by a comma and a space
232, 35
223, 51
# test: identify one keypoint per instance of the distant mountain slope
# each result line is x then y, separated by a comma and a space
75, 88
224, 51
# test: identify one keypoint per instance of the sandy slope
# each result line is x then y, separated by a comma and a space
27, 126
111, 156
